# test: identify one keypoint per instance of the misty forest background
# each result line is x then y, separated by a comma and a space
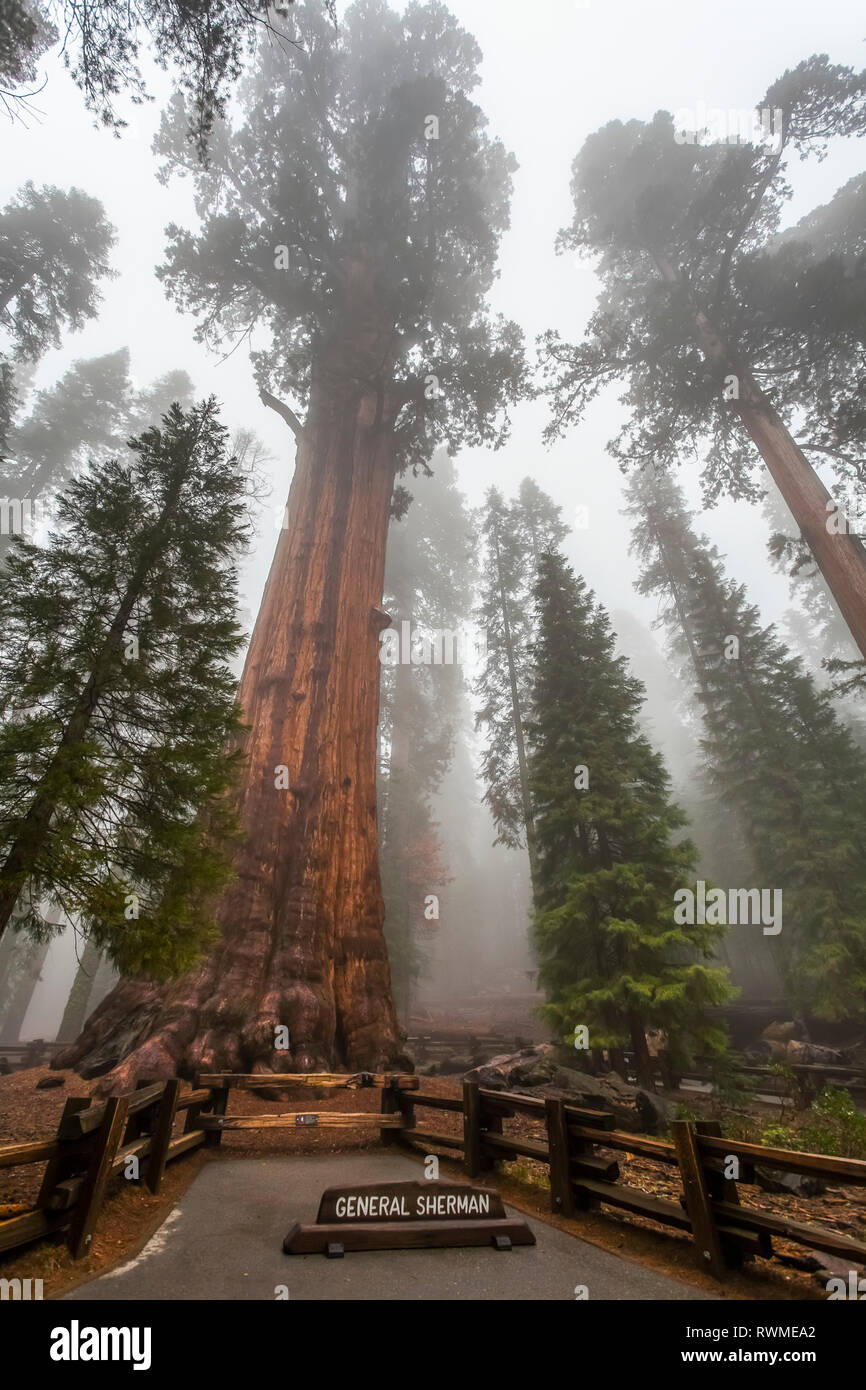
571, 478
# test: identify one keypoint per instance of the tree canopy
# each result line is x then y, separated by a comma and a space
336, 164
789, 307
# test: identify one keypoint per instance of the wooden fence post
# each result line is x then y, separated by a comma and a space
161, 1137
722, 1189
68, 1160
193, 1111
698, 1200
213, 1137
561, 1190
87, 1210
471, 1128
390, 1106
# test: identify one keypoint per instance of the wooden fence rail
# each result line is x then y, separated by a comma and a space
96, 1141
725, 1231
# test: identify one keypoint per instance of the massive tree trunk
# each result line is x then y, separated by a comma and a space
302, 941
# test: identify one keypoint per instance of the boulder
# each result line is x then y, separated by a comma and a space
780, 1032
48, 1083
539, 1071
804, 1054
798, 1184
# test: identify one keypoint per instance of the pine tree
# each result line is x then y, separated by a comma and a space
54, 248
88, 415
204, 43
516, 535
609, 860
775, 751
118, 701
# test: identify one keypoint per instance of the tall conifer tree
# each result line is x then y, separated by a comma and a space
775, 751
609, 856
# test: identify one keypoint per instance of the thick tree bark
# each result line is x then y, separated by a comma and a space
302, 941
840, 556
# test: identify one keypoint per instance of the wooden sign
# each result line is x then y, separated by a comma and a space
407, 1215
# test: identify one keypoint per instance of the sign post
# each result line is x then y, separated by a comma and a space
407, 1216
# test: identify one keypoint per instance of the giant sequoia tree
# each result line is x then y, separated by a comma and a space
730, 340
351, 220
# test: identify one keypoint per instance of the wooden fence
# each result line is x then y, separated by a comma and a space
96, 1140
580, 1149
20, 1056
805, 1081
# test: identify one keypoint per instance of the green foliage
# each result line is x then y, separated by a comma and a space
86, 416
777, 1136
54, 246
117, 699
204, 43
516, 534
732, 1086
330, 161
836, 1125
775, 752
610, 862
683, 228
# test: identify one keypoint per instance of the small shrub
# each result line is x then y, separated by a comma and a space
835, 1125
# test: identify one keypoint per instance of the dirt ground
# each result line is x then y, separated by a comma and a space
131, 1214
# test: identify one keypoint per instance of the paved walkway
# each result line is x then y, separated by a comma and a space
224, 1241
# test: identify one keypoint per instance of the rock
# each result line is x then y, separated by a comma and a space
780, 1032
48, 1083
655, 1112
633, 1109
804, 1054
428, 1069
831, 1267
798, 1184
452, 1066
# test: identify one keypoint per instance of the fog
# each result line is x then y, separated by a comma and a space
553, 73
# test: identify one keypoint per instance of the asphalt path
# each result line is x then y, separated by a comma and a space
224, 1241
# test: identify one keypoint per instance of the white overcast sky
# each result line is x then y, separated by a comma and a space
553, 72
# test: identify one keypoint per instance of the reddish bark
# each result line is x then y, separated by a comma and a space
302, 942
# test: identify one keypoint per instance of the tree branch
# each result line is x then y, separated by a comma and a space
286, 411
